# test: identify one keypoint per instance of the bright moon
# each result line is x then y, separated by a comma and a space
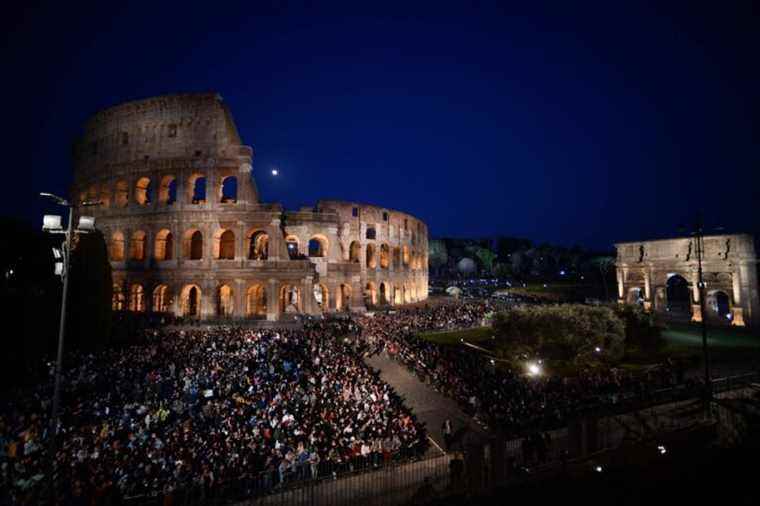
274, 172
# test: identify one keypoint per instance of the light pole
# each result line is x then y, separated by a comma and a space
699, 246
52, 224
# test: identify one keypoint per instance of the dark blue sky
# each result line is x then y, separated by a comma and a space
565, 124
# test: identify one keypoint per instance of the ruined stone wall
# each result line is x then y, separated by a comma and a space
648, 270
175, 248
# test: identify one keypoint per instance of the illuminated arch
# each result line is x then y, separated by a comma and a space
225, 301
224, 244
256, 301
258, 245
343, 299
137, 246
228, 189
371, 257
405, 255
294, 246
322, 296
370, 293
355, 252
143, 191
117, 247
290, 299
137, 298
190, 301
192, 244
196, 189
105, 196
318, 246
161, 299
117, 298
164, 245
167, 191
385, 256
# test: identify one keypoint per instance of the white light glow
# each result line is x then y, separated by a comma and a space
275, 172
533, 369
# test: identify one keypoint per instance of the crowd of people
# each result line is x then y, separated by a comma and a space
197, 409
502, 398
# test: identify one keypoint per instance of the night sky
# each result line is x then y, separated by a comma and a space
573, 125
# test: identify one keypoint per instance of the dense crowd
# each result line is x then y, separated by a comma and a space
196, 409
498, 396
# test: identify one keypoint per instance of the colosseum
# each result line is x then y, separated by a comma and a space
188, 235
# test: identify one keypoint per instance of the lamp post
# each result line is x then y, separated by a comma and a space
699, 246
52, 224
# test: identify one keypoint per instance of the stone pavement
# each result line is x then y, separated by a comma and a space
430, 406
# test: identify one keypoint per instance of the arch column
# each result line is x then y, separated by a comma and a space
239, 311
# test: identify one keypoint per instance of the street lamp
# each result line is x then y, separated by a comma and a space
62, 256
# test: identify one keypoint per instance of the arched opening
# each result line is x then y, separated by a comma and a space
256, 301
290, 299
143, 191
405, 255
371, 259
136, 298
635, 296
105, 196
397, 298
258, 245
117, 298
197, 189
190, 301
385, 256
371, 234
370, 294
405, 294
167, 192
164, 247
396, 257
224, 245
161, 300
318, 246
228, 190
192, 245
322, 296
117, 247
679, 297
137, 246
292, 244
343, 301
719, 304
384, 294
121, 194
225, 306
355, 252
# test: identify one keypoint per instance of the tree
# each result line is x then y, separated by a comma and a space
89, 308
438, 256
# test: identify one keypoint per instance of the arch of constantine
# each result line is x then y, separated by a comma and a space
662, 276
188, 235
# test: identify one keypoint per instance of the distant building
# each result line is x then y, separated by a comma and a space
661, 275
188, 235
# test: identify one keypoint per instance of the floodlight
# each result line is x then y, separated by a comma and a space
59, 268
57, 253
598, 469
51, 223
533, 369
86, 224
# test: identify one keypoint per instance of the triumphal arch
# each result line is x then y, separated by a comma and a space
662, 276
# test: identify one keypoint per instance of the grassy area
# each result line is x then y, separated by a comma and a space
476, 335
690, 336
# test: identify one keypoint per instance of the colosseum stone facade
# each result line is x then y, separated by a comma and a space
187, 234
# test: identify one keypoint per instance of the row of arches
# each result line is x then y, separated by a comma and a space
677, 299
144, 191
192, 245
399, 256
160, 299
